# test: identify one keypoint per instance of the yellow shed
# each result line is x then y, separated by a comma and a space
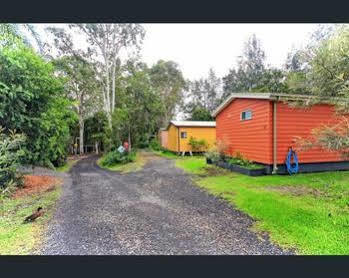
179, 133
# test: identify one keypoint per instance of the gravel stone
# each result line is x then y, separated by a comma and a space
155, 211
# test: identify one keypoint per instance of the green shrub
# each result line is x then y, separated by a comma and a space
213, 154
239, 159
97, 130
10, 154
222, 148
198, 145
155, 145
32, 102
115, 157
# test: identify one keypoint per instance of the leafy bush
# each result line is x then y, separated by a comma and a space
217, 152
239, 159
327, 137
97, 130
198, 145
10, 154
222, 148
213, 154
32, 102
143, 144
155, 145
54, 134
115, 157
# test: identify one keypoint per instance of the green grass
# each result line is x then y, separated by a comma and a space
194, 165
127, 167
21, 239
166, 154
305, 212
66, 167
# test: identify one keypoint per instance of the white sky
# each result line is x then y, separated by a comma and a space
197, 47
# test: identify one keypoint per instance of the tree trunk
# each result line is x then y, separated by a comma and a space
109, 120
107, 88
129, 139
113, 86
107, 107
96, 146
81, 138
75, 147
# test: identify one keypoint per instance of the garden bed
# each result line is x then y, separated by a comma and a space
237, 168
36, 185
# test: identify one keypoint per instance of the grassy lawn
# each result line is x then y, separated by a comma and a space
308, 212
166, 154
128, 167
21, 239
194, 165
172, 155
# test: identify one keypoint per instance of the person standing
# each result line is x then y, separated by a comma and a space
126, 146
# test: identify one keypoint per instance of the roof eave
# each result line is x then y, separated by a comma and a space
179, 125
271, 96
241, 95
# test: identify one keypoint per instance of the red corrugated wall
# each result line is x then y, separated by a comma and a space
293, 122
253, 138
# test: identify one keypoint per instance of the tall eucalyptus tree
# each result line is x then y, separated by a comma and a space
81, 84
107, 41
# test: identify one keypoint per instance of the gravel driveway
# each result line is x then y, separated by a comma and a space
153, 211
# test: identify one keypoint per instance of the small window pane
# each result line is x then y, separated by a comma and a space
183, 135
246, 115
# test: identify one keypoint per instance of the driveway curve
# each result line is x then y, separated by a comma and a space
157, 210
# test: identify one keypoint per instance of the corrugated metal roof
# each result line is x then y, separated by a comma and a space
193, 123
271, 96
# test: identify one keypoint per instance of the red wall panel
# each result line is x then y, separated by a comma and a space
292, 122
253, 138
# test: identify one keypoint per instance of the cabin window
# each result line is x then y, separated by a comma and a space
183, 134
246, 115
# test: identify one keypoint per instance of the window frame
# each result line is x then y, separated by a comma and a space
186, 135
244, 113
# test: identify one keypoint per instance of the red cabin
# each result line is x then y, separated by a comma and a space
263, 126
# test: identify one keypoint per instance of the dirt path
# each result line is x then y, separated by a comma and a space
153, 211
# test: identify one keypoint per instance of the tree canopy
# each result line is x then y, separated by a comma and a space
32, 102
326, 75
252, 74
203, 97
168, 81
